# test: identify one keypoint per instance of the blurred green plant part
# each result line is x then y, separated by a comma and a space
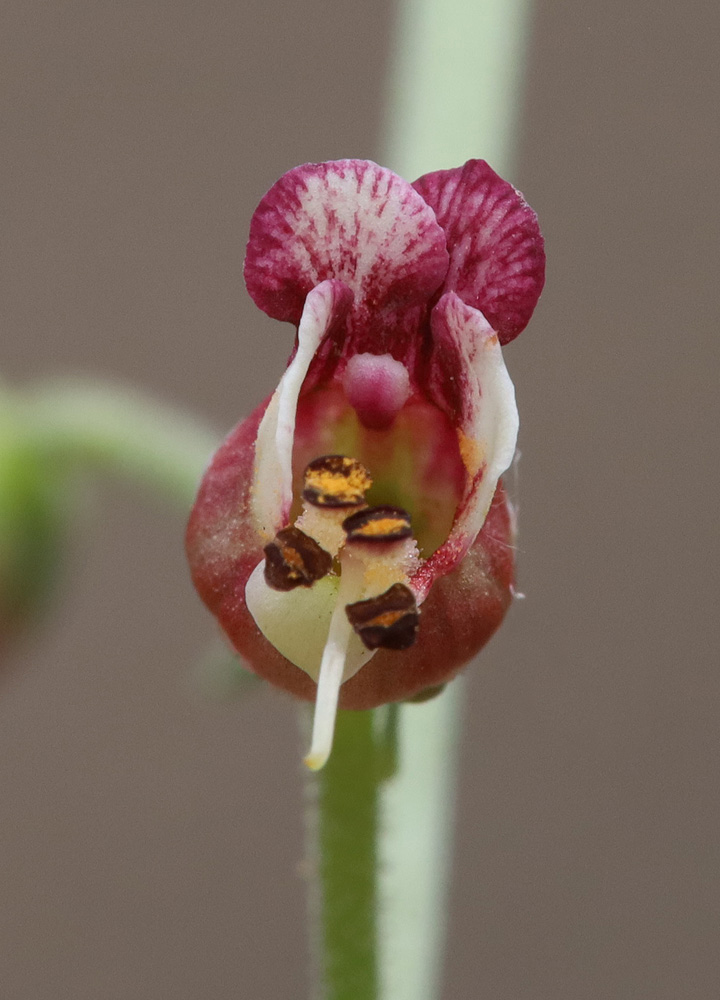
56, 436
88, 426
33, 519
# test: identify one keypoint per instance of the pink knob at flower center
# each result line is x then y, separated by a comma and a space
377, 387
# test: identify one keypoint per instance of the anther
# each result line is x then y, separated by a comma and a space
378, 524
336, 481
388, 621
294, 559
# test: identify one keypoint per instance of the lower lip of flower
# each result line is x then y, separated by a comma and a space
416, 464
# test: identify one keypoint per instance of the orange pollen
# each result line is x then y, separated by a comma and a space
387, 618
337, 481
383, 526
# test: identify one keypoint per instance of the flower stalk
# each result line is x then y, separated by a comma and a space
345, 801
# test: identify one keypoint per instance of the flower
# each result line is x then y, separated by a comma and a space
352, 535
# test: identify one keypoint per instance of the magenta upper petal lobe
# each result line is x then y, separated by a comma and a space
497, 259
351, 220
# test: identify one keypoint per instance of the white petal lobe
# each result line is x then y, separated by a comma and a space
272, 478
488, 426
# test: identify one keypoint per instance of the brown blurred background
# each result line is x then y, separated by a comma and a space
149, 841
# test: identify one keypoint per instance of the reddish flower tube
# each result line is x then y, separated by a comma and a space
351, 536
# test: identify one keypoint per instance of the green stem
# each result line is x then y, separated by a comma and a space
455, 83
384, 835
344, 813
347, 801
104, 428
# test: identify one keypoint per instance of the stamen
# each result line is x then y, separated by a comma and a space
378, 524
382, 538
377, 556
324, 524
334, 486
389, 621
336, 481
294, 559
333, 664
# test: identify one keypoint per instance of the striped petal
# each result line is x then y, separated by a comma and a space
350, 220
497, 257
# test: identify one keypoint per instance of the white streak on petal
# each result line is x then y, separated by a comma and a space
272, 474
488, 426
492, 428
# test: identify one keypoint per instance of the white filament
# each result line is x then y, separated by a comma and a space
328, 689
332, 666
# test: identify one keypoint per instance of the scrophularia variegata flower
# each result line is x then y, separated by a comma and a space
352, 536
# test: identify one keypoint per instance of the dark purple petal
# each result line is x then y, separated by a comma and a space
497, 260
351, 220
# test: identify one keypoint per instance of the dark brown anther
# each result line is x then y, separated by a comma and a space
294, 559
378, 524
389, 621
336, 481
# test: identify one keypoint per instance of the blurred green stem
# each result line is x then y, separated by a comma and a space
87, 426
383, 836
53, 435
